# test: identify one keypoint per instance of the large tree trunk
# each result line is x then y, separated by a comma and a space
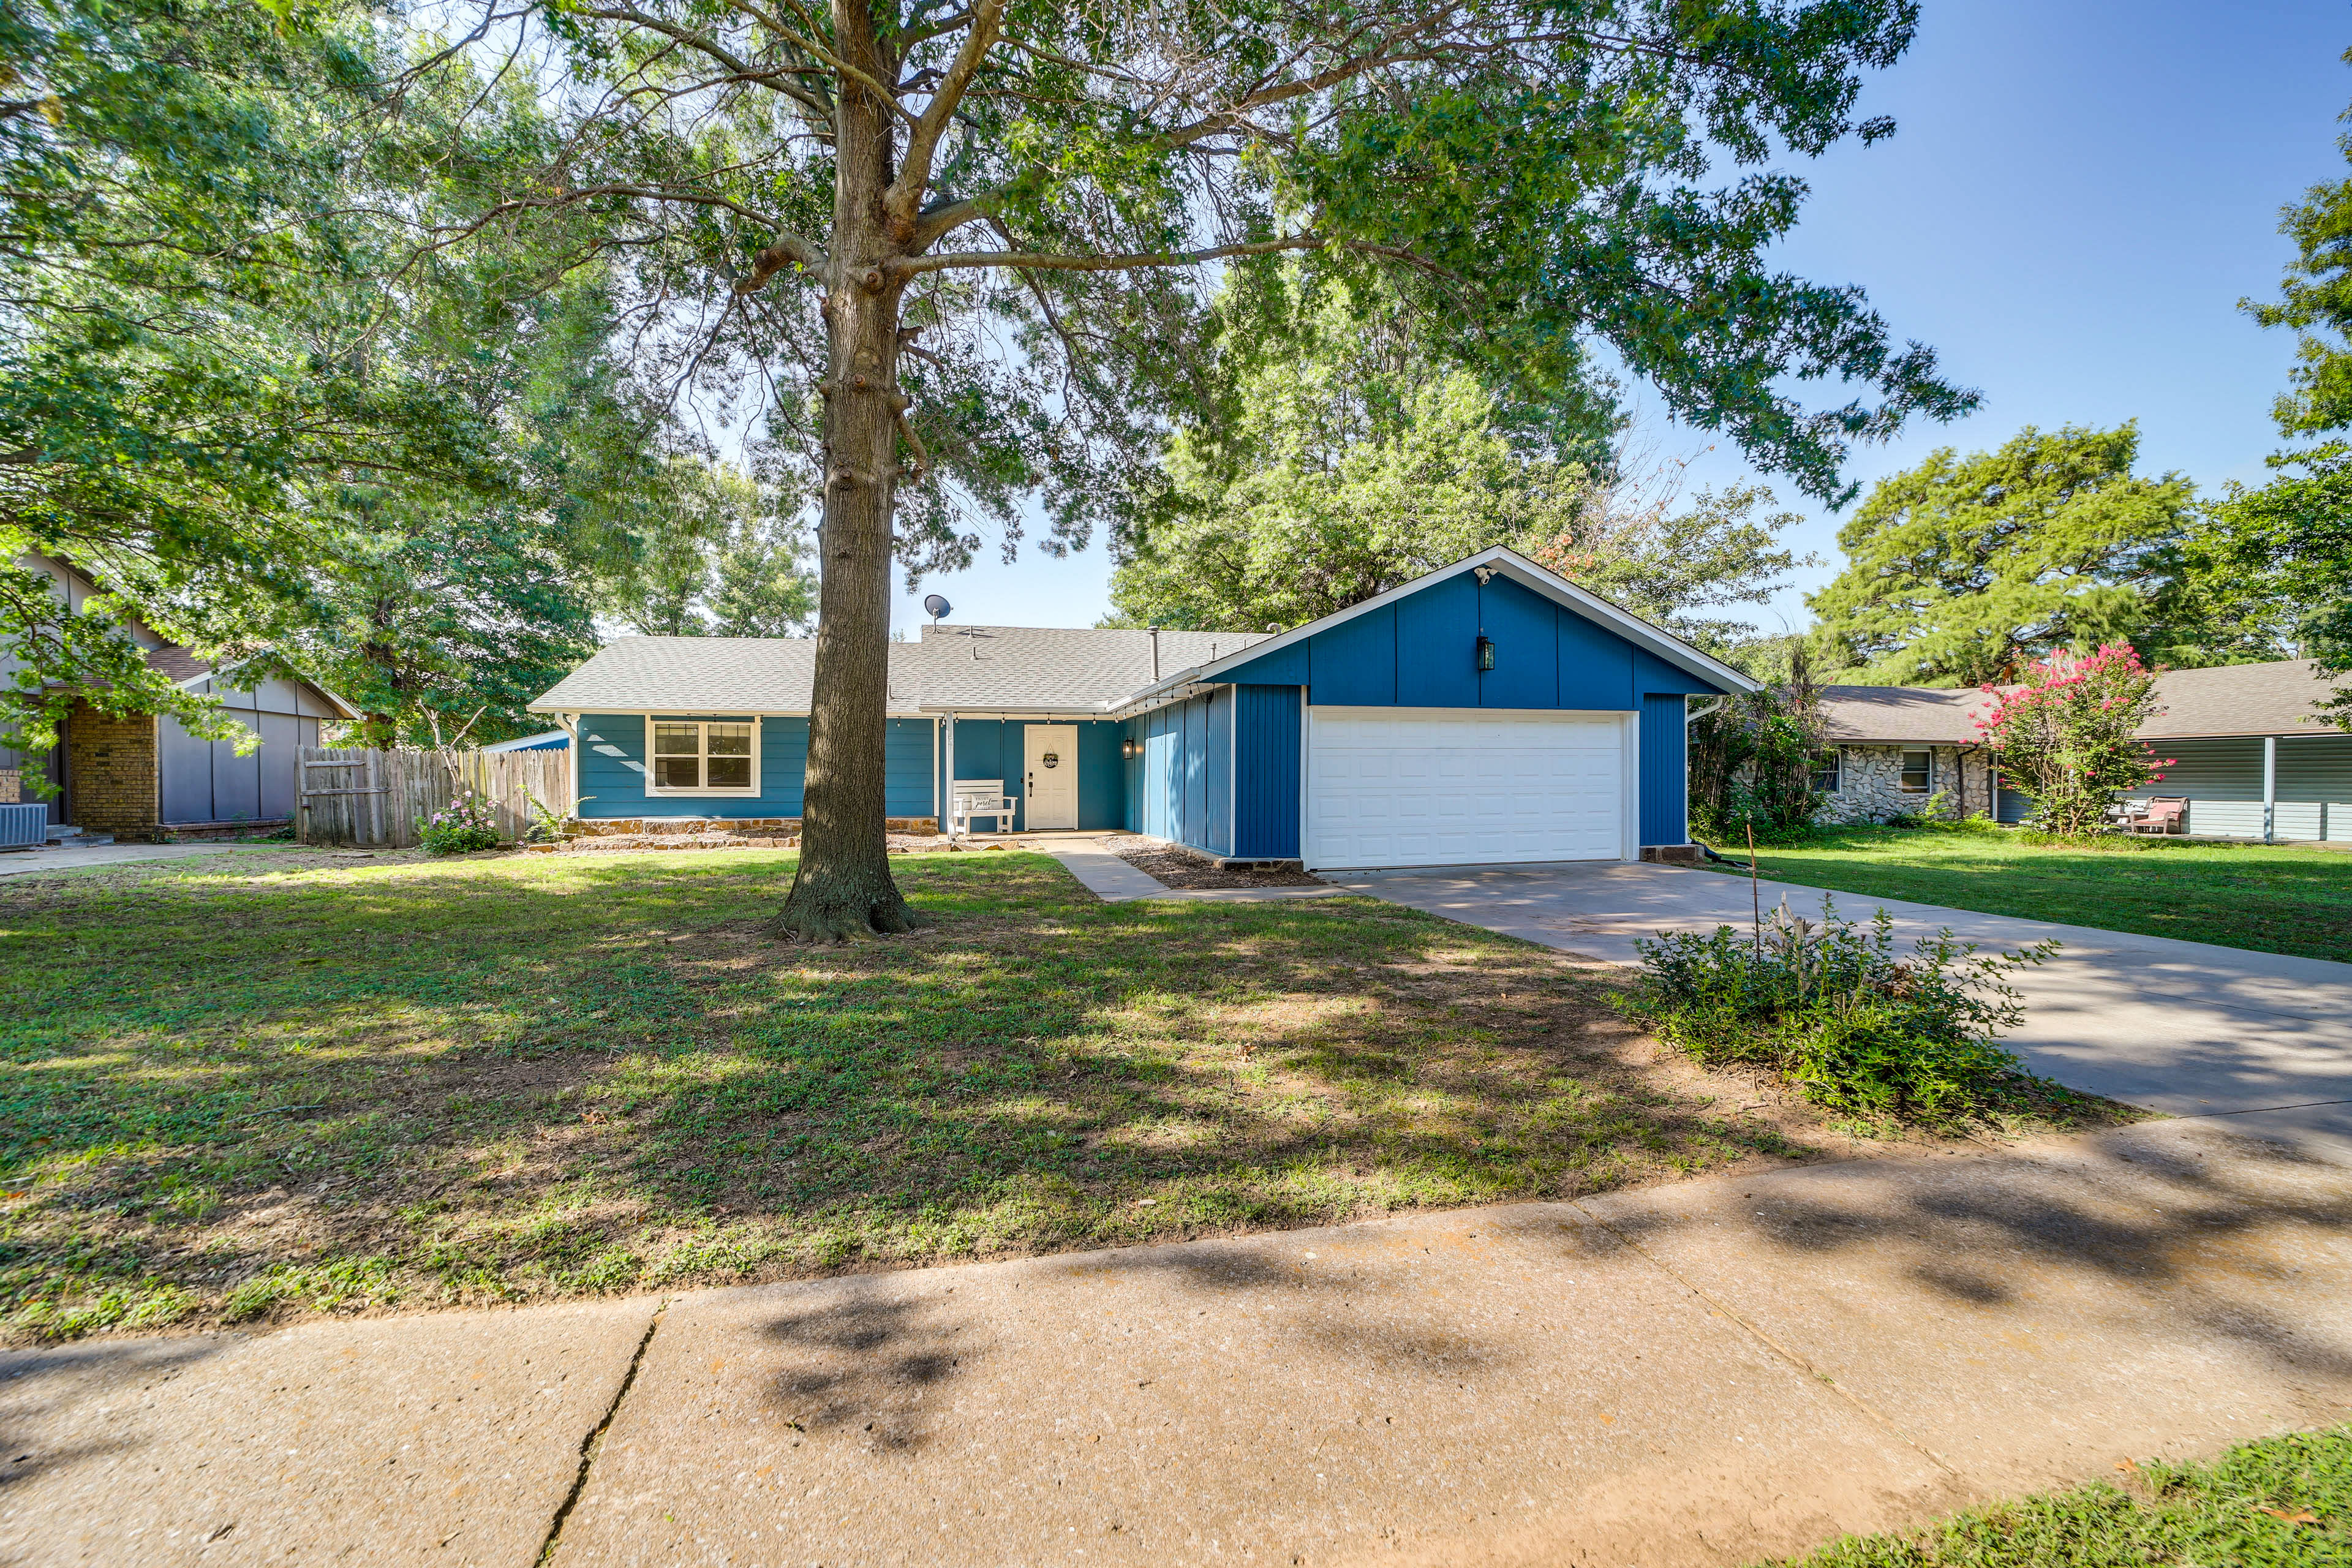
844, 887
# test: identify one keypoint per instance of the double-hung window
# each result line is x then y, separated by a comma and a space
694, 756
1919, 771
1825, 771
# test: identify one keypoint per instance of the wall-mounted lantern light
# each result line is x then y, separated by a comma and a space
1127, 747
1485, 651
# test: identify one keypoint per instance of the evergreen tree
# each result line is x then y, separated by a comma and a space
1965, 567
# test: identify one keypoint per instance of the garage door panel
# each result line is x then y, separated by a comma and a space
1387, 788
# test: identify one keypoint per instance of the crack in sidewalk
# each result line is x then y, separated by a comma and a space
1801, 1362
594, 1441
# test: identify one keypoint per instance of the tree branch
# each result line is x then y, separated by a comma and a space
817, 51
775, 80
905, 192
907, 267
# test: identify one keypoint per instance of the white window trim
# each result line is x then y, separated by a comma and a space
1903, 751
703, 739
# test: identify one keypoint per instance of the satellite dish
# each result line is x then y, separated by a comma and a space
936, 607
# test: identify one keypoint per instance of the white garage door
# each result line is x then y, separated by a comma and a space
1449, 786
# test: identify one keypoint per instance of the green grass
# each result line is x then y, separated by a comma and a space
2252, 896
2283, 1502
263, 1083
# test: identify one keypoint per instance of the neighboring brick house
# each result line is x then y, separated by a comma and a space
146, 777
2247, 749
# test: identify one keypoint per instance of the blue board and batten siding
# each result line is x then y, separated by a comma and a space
1422, 652
613, 763
1180, 778
1267, 757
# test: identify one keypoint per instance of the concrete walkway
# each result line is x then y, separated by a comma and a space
28, 862
2180, 1027
1115, 881
1697, 1373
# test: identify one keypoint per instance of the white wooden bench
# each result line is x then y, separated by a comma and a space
979, 797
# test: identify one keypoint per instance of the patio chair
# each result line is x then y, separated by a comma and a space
2162, 814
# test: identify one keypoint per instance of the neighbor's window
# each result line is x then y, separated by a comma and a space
697, 757
1918, 772
1825, 771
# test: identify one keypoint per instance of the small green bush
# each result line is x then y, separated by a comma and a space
1856, 1026
460, 828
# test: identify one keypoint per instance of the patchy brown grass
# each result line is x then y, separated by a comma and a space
252, 1085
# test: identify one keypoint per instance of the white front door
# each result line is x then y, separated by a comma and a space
1403, 786
1049, 776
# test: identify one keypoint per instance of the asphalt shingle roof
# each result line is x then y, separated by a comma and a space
1057, 667
1917, 715
2273, 699
1032, 669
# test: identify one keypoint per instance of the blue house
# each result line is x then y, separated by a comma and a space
1489, 712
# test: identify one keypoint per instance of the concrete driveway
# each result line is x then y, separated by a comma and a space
2180, 1027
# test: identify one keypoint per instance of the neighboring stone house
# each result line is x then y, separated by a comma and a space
144, 776
1893, 749
2246, 748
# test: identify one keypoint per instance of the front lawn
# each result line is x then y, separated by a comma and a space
2239, 895
261, 1083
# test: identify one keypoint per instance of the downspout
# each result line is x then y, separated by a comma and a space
569, 724
2269, 788
947, 730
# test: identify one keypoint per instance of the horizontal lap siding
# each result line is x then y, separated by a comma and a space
611, 787
906, 768
995, 749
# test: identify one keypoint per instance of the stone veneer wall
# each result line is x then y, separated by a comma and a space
1870, 785
111, 763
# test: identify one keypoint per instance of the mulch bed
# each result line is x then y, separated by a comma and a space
1182, 869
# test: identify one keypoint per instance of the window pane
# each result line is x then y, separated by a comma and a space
677, 773
676, 740
1825, 773
729, 740
1917, 771
730, 773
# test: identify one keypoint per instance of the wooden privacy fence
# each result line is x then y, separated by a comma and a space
353, 797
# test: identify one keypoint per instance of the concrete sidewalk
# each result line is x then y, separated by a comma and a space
28, 862
1697, 1373
2180, 1027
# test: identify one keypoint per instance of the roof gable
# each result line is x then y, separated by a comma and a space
1285, 660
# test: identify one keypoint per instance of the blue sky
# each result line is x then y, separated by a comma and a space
2078, 196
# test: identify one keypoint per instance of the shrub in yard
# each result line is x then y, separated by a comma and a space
460, 828
2065, 736
1857, 1025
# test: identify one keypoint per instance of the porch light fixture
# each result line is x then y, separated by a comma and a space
1485, 651
1127, 746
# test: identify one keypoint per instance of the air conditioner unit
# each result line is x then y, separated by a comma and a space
24, 826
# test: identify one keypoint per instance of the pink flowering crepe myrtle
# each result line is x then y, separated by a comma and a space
2067, 734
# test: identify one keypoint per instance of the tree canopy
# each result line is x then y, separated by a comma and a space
242, 390
1007, 223
1963, 568
1347, 457
2279, 557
